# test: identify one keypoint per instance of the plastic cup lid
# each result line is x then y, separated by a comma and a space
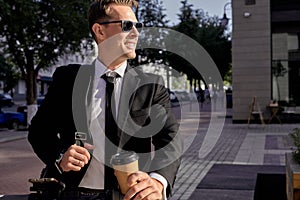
123, 158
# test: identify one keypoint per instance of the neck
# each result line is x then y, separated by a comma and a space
113, 65
116, 65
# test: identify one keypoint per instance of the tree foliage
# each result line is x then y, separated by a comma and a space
8, 74
152, 14
295, 135
206, 31
194, 23
35, 33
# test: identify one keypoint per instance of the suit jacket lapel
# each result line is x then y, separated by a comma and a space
130, 84
82, 99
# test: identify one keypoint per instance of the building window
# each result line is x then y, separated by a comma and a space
249, 2
286, 67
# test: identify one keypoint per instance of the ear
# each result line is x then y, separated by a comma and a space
97, 29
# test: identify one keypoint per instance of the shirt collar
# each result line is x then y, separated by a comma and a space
101, 69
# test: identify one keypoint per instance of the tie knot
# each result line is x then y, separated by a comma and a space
110, 76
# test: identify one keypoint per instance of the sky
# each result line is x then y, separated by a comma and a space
213, 7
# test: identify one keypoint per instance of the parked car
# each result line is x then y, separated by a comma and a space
23, 108
11, 120
173, 99
6, 100
183, 95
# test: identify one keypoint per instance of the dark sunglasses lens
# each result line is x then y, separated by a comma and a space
127, 26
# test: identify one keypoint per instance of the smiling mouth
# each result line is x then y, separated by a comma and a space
130, 45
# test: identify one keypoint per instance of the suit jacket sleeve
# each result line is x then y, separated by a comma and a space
167, 142
151, 121
52, 130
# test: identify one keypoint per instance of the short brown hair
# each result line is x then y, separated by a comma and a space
99, 10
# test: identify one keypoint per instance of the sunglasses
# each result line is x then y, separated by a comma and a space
125, 24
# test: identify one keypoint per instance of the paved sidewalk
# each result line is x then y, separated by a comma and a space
215, 140
9, 135
236, 144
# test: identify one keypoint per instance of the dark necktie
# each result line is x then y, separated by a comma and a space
111, 140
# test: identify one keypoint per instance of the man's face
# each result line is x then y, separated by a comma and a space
116, 46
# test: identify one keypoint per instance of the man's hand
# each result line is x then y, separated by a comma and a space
142, 186
75, 158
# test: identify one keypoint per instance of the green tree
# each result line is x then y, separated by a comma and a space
152, 14
214, 40
35, 33
9, 75
206, 31
189, 25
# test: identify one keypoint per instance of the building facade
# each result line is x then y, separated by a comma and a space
44, 77
266, 55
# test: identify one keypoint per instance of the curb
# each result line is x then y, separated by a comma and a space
12, 138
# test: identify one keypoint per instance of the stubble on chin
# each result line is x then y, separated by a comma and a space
117, 48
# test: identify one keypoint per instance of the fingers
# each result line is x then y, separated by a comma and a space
143, 187
88, 146
76, 162
80, 153
136, 178
75, 158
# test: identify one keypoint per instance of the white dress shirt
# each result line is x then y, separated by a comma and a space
94, 176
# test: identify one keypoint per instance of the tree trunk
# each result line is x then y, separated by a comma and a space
31, 94
191, 84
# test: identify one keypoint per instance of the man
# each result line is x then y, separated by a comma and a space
75, 104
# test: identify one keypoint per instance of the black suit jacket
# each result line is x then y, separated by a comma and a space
145, 118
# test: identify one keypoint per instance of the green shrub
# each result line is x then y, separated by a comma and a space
295, 135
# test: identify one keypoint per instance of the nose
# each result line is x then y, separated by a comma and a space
134, 32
